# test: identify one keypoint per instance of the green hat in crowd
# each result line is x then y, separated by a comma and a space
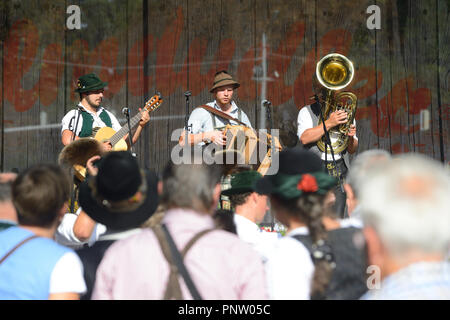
89, 82
242, 182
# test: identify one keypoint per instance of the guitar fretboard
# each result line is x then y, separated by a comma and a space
124, 130
151, 105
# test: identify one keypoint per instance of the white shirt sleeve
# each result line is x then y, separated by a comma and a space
67, 275
355, 137
64, 234
197, 120
304, 121
289, 271
69, 121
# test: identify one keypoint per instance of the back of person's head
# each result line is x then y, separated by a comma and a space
299, 190
5, 191
190, 186
224, 220
121, 196
39, 193
407, 203
361, 166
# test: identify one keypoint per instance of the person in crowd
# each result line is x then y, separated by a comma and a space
32, 265
405, 209
8, 215
224, 219
361, 165
318, 258
79, 229
219, 264
250, 208
121, 197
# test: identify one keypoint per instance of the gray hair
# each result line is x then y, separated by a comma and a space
406, 201
361, 166
190, 186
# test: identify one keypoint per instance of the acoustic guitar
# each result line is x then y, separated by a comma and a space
116, 139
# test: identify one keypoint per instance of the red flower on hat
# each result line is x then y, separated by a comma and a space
308, 183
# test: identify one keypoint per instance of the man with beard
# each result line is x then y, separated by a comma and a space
89, 114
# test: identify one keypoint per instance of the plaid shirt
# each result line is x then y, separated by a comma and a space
418, 281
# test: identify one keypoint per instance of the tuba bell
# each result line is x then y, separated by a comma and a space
334, 72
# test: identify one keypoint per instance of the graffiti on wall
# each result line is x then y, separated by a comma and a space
21, 52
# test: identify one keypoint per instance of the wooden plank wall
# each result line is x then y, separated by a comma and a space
143, 46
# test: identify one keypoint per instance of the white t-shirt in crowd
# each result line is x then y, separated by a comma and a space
67, 275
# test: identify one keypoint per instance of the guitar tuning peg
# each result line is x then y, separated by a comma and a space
159, 94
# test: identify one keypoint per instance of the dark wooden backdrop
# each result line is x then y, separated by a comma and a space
143, 46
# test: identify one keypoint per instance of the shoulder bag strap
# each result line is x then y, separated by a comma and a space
173, 290
178, 259
17, 247
193, 240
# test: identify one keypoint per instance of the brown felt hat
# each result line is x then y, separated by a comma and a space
223, 78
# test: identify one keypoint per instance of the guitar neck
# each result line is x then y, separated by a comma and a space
124, 130
150, 105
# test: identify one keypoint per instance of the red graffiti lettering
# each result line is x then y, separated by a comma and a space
195, 70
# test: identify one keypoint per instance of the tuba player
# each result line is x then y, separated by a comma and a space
311, 131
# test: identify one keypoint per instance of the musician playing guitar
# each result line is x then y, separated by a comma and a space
203, 124
79, 123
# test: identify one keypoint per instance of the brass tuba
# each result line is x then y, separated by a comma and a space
334, 72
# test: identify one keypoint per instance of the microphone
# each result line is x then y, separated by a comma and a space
125, 111
266, 103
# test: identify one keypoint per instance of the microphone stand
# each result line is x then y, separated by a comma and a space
75, 189
267, 103
187, 94
126, 112
273, 148
79, 109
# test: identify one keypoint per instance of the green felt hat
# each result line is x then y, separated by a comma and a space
242, 182
89, 82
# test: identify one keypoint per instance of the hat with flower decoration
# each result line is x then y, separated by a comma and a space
300, 172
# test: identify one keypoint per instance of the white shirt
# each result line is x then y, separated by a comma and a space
67, 275
249, 231
289, 268
307, 119
65, 236
70, 120
200, 120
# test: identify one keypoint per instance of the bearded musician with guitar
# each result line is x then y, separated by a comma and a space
91, 116
91, 120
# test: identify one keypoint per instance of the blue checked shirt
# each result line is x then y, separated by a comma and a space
200, 120
418, 281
